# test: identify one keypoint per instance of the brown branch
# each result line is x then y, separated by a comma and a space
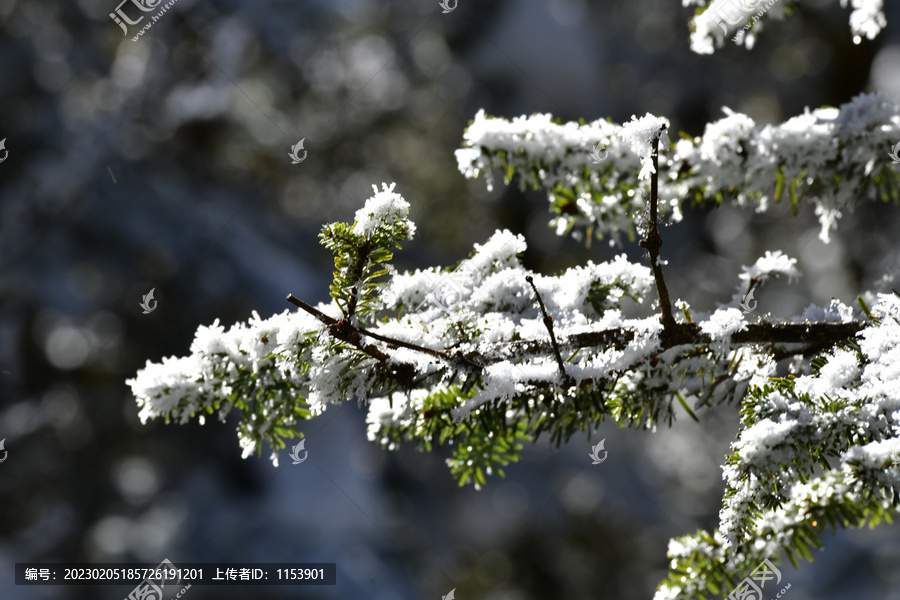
818, 336
342, 330
825, 334
567, 380
402, 344
311, 310
811, 337
653, 242
347, 332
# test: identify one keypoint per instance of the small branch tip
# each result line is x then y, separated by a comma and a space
567, 380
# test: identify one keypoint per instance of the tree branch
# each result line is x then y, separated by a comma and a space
346, 331
311, 310
342, 330
809, 335
402, 344
653, 242
567, 379
812, 337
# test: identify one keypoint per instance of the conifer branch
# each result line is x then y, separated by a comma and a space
813, 337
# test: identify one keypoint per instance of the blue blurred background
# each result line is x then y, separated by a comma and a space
163, 164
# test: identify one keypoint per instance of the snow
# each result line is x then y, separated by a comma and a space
727, 17
384, 208
640, 134
834, 312
867, 18
482, 305
722, 323
385, 412
772, 264
500, 305
875, 455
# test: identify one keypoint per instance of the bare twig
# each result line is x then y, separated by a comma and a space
311, 310
402, 344
344, 330
567, 380
653, 242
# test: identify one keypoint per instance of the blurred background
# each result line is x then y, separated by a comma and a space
163, 164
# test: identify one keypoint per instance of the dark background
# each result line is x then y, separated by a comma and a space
163, 164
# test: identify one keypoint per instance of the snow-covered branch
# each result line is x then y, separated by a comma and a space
829, 157
402, 337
